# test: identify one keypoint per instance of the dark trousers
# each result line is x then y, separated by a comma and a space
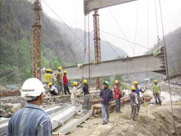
66, 89
60, 87
157, 98
118, 105
134, 111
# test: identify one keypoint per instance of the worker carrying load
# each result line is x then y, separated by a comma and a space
52, 89
117, 95
137, 91
85, 89
31, 120
59, 79
47, 76
65, 83
156, 92
106, 95
134, 103
74, 93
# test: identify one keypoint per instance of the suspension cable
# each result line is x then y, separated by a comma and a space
166, 63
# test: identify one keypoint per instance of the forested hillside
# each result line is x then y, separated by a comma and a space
16, 19
58, 43
173, 44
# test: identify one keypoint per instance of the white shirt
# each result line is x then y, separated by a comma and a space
73, 92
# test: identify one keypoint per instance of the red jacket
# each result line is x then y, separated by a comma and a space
117, 93
65, 80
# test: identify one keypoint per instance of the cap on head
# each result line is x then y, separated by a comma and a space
75, 83
155, 81
116, 81
50, 84
133, 88
106, 83
59, 68
135, 82
32, 87
65, 72
85, 81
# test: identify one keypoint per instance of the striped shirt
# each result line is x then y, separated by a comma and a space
30, 121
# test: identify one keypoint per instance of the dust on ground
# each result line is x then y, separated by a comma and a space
153, 120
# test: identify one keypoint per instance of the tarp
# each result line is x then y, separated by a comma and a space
90, 5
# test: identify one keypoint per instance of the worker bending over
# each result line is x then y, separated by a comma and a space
65, 83
106, 97
74, 93
85, 89
156, 92
31, 120
59, 79
134, 103
117, 95
52, 89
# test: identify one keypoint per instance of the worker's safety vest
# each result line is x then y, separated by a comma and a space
156, 89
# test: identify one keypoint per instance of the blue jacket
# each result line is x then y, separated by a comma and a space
137, 91
30, 121
106, 95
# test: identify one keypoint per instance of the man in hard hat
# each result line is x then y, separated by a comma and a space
59, 79
117, 95
74, 93
47, 76
85, 89
31, 120
106, 95
51, 76
65, 83
133, 102
52, 89
156, 92
137, 91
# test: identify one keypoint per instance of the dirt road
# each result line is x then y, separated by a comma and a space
153, 121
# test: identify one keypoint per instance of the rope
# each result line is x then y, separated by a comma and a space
119, 27
125, 39
166, 63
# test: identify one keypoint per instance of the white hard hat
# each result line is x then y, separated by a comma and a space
32, 87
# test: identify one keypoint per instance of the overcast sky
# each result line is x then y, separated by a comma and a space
134, 21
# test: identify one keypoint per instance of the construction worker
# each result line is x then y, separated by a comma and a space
117, 95
133, 102
31, 120
74, 93
85, 89
106, 95
52, 89
137, 91
51, 76
156, 92
47, 76
59, 79
65, 83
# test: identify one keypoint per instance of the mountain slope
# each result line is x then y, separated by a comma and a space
173, 44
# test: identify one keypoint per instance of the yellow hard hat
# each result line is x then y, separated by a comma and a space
59, 68
47, 70
85, 81
155, 81
75, 83
135, 82
49, 84
65, 72
50, 70
133, 88
116, 81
